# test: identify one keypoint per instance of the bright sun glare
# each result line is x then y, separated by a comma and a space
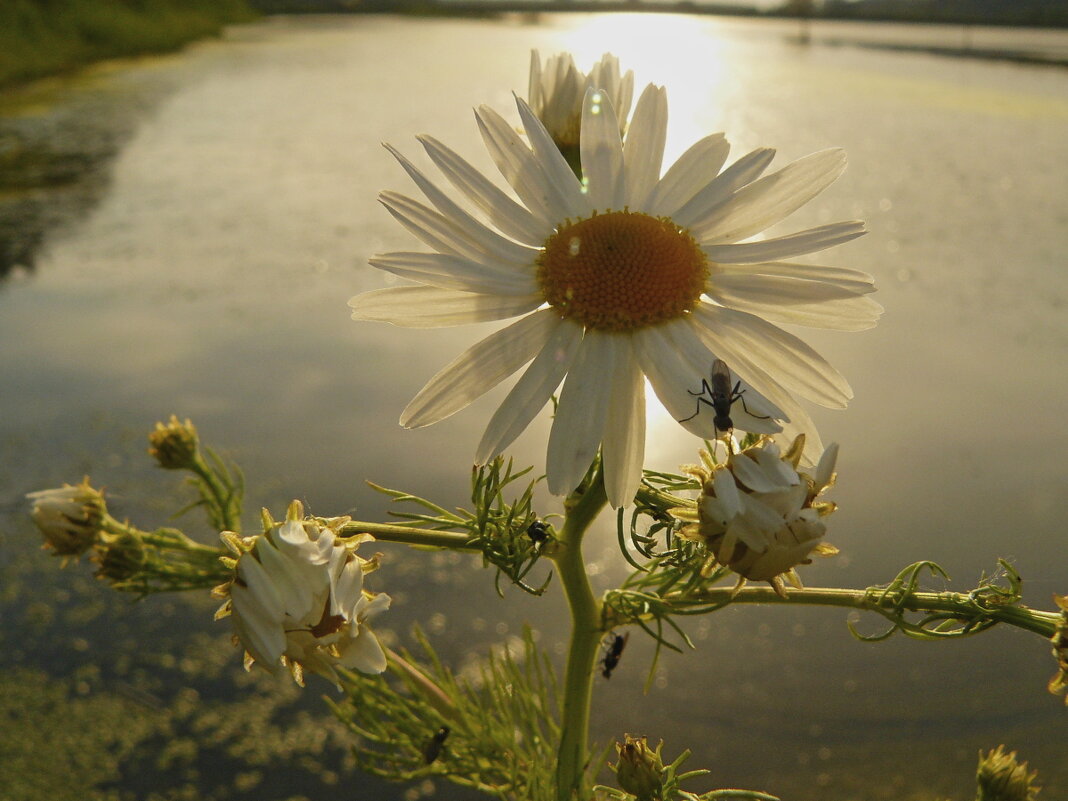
686, 53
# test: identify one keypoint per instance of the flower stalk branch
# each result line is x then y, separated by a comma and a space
946, 606
408, 535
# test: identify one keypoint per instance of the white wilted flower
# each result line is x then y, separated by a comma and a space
297, 599
556, 92
624, 275
69, 517
759, 514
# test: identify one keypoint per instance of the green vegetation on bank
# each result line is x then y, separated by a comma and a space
44, 37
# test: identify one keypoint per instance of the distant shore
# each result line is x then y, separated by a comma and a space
1018, 13
38, 39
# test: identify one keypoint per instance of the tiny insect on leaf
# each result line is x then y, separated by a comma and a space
433, 747
613, 653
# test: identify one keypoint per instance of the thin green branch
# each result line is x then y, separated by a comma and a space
953, 605
411, 536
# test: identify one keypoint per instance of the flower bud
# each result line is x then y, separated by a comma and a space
69, 518
639, 771
174, 446
758, 513
1002, 778
1059, 683
120, 556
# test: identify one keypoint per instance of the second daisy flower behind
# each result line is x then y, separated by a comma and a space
617, 277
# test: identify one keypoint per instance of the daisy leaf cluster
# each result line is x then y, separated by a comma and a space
502, 718
501, 523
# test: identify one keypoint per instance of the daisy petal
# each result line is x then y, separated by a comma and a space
676, 362
624, 437
795, 301
430, 307
261, 587
782, 473
478, 370
580, 416
749, 473
532, 391
643, 151
854, 314
510, 217
843, 277
620, 87
671, 376
602, 152
563, 185
693, 170
495, 245
364, 653
808, 241
755, 413
446, 236
378, 604
261, 635
517, 164
770, 199
748, 168
794, 364
727, 493
534, 93
825, 467
454, 272
286, 578
797, 420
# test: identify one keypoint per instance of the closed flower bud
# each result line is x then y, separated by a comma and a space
639, 770
175, 445
1002, 778
69, 518
1058, 685
759, 515
120, 556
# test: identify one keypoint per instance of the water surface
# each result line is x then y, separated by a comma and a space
204, 266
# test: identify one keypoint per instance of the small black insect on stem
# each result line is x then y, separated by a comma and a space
538, 532
433, 746
613, 653
721, 396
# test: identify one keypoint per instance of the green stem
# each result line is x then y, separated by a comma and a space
959, 604
411, 536
585, 639
223, 496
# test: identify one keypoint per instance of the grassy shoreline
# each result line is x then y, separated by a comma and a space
46, 37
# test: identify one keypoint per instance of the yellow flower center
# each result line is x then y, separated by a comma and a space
621, 270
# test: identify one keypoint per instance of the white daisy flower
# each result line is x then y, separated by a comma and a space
624, 275
297, 600
556, 93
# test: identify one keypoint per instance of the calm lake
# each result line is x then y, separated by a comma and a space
183, 233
